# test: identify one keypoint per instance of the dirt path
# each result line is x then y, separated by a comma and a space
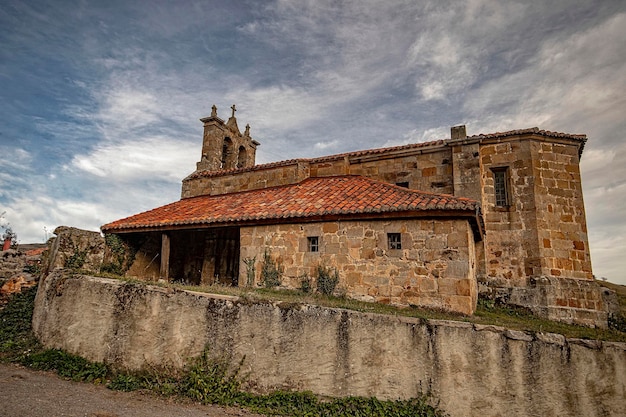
27, 393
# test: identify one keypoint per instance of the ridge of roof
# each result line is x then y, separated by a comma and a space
354, 154
259, 167
531, 130
312, 198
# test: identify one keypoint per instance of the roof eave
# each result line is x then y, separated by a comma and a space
471, 215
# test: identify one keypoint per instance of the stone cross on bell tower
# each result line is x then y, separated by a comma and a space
223, 145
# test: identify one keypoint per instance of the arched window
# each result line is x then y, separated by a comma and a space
227, 150
241, 157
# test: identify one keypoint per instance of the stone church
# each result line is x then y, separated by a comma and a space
427, 224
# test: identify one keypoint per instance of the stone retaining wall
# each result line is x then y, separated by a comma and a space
473, 370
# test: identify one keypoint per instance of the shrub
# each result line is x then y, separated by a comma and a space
211, 381
122, 255
327, 279
617, 322
306, 283
271, 271
250, 270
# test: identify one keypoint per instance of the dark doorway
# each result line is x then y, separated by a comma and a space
209, 256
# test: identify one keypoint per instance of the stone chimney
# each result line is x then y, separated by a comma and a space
458, 132
7, 244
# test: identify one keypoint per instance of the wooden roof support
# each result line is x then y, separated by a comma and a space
165, 257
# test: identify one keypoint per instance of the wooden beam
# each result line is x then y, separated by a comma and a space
165, 256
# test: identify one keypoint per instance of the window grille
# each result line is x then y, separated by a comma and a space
313, 244
394, 240
500, 187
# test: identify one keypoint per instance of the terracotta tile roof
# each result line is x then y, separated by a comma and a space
436, 143
312, 199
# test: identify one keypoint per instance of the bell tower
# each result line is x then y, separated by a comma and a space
224, 147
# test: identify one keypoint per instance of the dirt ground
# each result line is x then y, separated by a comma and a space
27, 393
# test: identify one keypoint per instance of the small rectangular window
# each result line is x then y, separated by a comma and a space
313, 243
500, 187
403, 184
394, 240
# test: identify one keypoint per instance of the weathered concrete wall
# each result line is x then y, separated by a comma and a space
434, 268
473, 370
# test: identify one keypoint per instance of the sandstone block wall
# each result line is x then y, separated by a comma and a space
426, 171
254, 179
430, 171
434, 268
511, 245
543, 232
574, 301
562, 227
472, 370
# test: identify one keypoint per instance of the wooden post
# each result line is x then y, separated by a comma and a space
165, 256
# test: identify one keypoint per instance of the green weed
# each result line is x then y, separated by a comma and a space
327, 279
211, 381
67, 365
16, 336
271, 271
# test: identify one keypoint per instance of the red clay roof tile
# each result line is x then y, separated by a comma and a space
311, 198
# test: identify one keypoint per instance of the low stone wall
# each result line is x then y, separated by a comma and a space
573, 301
75, 248
473, 370
11, 262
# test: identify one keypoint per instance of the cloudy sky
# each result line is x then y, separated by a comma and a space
100, 100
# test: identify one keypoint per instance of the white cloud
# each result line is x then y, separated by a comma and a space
140, 159
326, 145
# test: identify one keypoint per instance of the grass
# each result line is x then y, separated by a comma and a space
207, 379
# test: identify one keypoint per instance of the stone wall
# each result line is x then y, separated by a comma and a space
426, 171
74, 248
434, 268
511, 242
543, 231
11, 262
472, 370
252, 179
429, 171
561, 223
574, 301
